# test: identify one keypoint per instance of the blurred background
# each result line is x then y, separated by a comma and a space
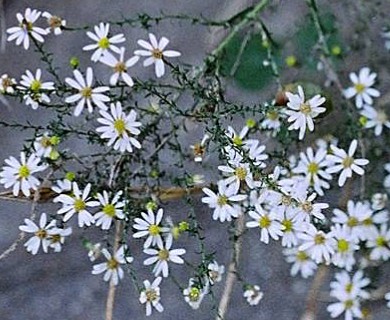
61, 286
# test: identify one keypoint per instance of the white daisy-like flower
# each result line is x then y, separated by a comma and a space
150, 296
57, 237
79, 202
303, 112
150, 226
86, 94
318, 244
119, 66
346, 246
120, 128
112, 268
56, 24
155, 53
109, 209
103, 42
361, 89
194, 294
345, 162
292, 224
379, 243
376, 119
253, 295
268, 222
223, 201
307, 209
301, 262
350, 285
313, 167
19, 175
272, 120
215, 272
238, 173
26, 28
44, 145
7, 84
348, 305
162, 256
41, 234
34, 88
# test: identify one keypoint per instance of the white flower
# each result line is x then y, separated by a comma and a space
379, 242
221, 202
19, 175
272, 120
156, 53
292, 224
26, 28
78, 203
150, 226
361, 89
94, 251
62, 186
215, 272
253, 295
55, 23
34, 88
7, 84
57, 237
312, 166
102, 42
41, 234
162, 256
345, 162
87, 94
301, 262
44, 145
194, 294
119, 128
238, 173
119, 67
350, 285
112, 268
351, 307
303, 112
150, 295
110, 209
308, 209
345, 248
318, 244
376, 119
268, 222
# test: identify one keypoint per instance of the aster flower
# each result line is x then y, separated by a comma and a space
150, 226
348, 305
351, 285
112, 268
238, 173
253, 295
155, 53
302, 112
292, 224
44, 145
119, 66
376, 119
35, 88
62, 186
379, 243
110, 209
120, 128
194, 294
26, 28
346, 246
79, 202
57, 237
19, 175
307, 209
345, 162
272, 120
55, 23
215, 272
162, 256
86, 94
361, 88
223, 201
41, 234
7, 84
150, 296
103, 43
301, 262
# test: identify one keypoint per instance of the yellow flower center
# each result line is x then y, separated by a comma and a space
120, 126
194, 294
24, 172
264, 222
288, 225
313, 168
348, 304
157, 54
120, 67
104, 43
352, 222
240, 173
349, 287
35, 85
237, 141
27, 24
154, 229
222, 200
163, 254
272, 115
54, 22
381, 241
41, 234
54, 238
151, 295
45, 142
342, 245
347, 162
305, 108
86, 92
367, 222
359, 87
319, 239
302, 256
79, 205
109, 209
112, 264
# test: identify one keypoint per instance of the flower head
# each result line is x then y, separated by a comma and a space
55, 23
150, 296
110, 209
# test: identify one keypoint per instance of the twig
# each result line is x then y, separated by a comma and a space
232, 269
